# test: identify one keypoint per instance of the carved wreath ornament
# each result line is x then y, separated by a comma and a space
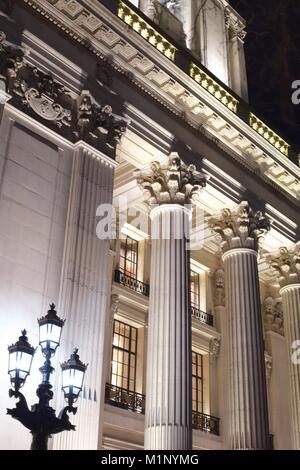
77, 118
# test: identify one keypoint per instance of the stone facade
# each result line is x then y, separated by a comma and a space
101, 107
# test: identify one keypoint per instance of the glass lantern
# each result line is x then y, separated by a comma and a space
50, 331
20, 359
73, 372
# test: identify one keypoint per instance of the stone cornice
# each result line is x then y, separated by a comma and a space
170, 86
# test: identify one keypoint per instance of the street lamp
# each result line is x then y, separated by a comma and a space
41, 419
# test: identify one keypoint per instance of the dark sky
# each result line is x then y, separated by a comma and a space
273, 61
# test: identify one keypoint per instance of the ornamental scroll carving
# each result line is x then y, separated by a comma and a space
38, 94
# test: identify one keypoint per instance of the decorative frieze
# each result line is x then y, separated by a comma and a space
103, 41
172, 183
38, 94
241, 227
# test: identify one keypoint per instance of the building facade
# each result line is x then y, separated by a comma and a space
141, 193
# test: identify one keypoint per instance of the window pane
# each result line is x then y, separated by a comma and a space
197, 382
123, 368
129, 257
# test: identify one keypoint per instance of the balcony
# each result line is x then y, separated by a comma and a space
132, 283
121, 398
201, 316
206, 423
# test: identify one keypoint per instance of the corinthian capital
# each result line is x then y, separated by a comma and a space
173, 183
287, 265
240, 228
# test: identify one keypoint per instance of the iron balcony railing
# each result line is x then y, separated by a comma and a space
206, 423
122, 398
132, 283
202, 316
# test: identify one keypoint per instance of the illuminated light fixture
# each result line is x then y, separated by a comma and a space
73, 372
41, 418
50, 331
20, 359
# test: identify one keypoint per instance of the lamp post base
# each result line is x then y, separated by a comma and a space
39, 442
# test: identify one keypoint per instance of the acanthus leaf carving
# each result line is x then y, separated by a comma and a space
241, 227
172, 183
287, 265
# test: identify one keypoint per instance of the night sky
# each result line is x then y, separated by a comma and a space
273, 61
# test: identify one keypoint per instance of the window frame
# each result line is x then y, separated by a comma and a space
193, 304
128, 249
199, 379
130, 354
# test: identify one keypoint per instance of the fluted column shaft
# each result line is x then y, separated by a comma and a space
248, 412
291, 311
85, 290
168, 384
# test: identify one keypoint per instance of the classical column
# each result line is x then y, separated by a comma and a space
238, 232
85, 289
171, 189
287, 265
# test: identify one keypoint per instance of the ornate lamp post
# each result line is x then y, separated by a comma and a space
41, 419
